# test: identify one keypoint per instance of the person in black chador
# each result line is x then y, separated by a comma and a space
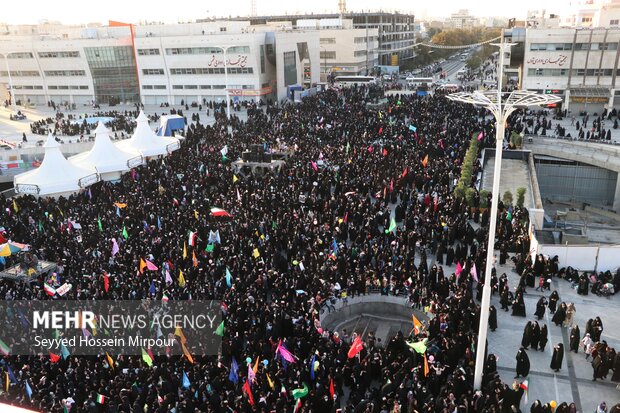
518, 306
544, 333
523, 363
553, 301
557, 357
575, 338
535, 336
560, 315
493, 318
541, 306
526, 339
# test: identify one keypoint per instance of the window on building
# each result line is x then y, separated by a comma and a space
159, 86
239, 49
50, 87
197, 71
609, 46
21, 73
222, 29
219, 86
148, 52
84, 87
205, 86
327, 54
262, 59
328, 40
20, 55
147, 87
613, 22
290, 68
46, 55
359, 53
247, 87
240, 70
177, 86
152, 71
65, 73
190, 87
586, 19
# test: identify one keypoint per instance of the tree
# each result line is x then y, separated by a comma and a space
507, 198
521, 196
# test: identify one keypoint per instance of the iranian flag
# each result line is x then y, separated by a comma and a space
100, 399
219, 212
49, 290
525, 386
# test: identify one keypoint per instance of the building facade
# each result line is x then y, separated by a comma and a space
395, 31
580, 65
462, 20
156, 64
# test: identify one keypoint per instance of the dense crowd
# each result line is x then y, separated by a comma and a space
374, 168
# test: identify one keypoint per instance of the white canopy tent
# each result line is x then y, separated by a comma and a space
108, 159
146, 142
56, 176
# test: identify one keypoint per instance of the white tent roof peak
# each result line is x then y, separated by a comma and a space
142, 117
101, 129
51, 142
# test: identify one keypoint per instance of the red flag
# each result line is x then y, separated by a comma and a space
331, 388
380, 130
384, 152
391, 185
106, 282
356, 347
54, 357
459, 269
346, 217
314, 166
370, 149
404, 173
248, 391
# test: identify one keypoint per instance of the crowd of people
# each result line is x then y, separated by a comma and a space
73, 125
376, 170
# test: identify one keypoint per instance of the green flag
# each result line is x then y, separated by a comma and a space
418, 346
125, 234
299, 393
392, 226
40, 227
220, 329
274, 225
210, 248
147, 359
99, 224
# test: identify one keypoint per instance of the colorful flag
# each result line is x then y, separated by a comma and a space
179, 333
416, 324
150, 266
256, 253
332, 392
247, 390
251, 374
54, 357
392, 226
184, 250
234, 370
142, 265
426, 369
49, 290
192, 238
425, 161
99, 224
186, 382
255, 368
28, 389
299, 393
220, 329
419, 346
235, 179
210, 247
106, 282
228, 278
297, 406
100, 398
312, 360
115, 247
314, 166
6, 381
147, 358
474, 272
110, 361
168, 277
458, 270
525, 386
152, 289
194, 259
64, 351
286, 355
356, 347
125, 234
4, 349
181, 279
270, 382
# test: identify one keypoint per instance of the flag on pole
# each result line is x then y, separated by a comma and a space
297, 406
184, 250
179, 333
356, 347
314, 166
147, 358
251, 374
426, 369
247, 390
194, 259
474, 272
49, 290
99, 225
392, 226
110, 361
235, 179
425, 161
458, 270
332, 391
220, 329
228, 278
64, 351
299, 393
28, 389
125, 234
100, 398
115, 248
270, 382
286, 355
150, 266
186, 382
4, 349
525, 387
54, 357
234, 370
312, 360
416, 324
106, 282
181, 279
6, 382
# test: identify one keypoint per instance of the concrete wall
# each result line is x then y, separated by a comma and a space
584, 257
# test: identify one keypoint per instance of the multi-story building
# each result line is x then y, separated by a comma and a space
462, 20
395, 31
156, 64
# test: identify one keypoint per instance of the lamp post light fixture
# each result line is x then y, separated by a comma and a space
501, 105
225, 50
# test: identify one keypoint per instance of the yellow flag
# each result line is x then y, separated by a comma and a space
7, 381
189, 356
110, 361
121, 205
195, 214
416, 324
181, 279
184, 250
256, 254
15, 208
235, 179
179, 333
270, 382
255, 368
142, 265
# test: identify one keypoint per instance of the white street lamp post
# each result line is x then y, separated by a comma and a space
225, 50
492, 100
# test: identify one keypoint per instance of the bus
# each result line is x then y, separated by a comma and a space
353, 80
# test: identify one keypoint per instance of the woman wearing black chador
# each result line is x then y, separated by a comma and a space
523, 363
557, 357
